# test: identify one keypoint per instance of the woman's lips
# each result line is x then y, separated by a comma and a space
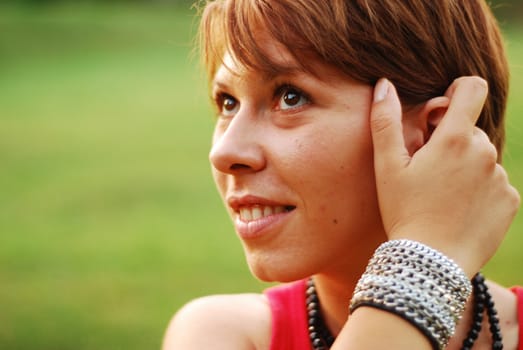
253, 220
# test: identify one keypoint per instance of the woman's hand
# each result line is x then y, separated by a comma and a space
450, 194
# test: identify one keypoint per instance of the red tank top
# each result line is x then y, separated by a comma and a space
519, 293
289, 318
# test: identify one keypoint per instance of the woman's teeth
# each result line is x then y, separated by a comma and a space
256, 212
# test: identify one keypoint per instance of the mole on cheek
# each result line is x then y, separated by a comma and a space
335, 221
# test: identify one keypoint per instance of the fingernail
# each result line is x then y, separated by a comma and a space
381, 90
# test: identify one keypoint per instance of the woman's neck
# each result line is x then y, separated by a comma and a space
335, 286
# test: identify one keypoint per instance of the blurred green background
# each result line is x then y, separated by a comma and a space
109, 220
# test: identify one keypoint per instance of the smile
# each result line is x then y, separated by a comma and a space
257, 220
256, 212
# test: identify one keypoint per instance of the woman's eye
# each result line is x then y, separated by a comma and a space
291, 98
228, 105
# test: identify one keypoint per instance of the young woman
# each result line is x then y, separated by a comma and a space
323, 164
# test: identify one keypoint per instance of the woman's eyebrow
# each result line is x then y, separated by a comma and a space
290, 71
218, 84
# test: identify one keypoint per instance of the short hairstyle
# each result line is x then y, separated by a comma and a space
422, 46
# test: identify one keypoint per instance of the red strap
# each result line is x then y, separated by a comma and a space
519, 293
289, 317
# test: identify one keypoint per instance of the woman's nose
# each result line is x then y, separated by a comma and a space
238, 149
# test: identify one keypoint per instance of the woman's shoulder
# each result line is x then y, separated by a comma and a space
233, 321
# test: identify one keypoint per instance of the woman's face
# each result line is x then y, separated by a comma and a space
292, 160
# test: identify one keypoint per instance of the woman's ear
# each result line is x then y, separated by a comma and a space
433, 111
420, 121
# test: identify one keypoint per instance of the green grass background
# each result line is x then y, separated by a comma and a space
109, 220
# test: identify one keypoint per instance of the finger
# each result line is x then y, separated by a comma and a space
511, 194
386, 127
485, 149
467, 97
481, 135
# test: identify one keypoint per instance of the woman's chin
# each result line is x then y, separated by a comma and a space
277, 271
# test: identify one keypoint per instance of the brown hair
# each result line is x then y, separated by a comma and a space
420, 45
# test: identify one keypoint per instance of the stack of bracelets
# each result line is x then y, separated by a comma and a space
420, 285
417, 283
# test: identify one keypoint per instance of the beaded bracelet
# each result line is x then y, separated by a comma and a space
417, 283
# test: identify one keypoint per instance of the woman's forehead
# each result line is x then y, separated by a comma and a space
269, 51
280, 60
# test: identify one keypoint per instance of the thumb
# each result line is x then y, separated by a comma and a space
386, 129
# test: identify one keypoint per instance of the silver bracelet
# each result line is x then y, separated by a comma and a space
417, 283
